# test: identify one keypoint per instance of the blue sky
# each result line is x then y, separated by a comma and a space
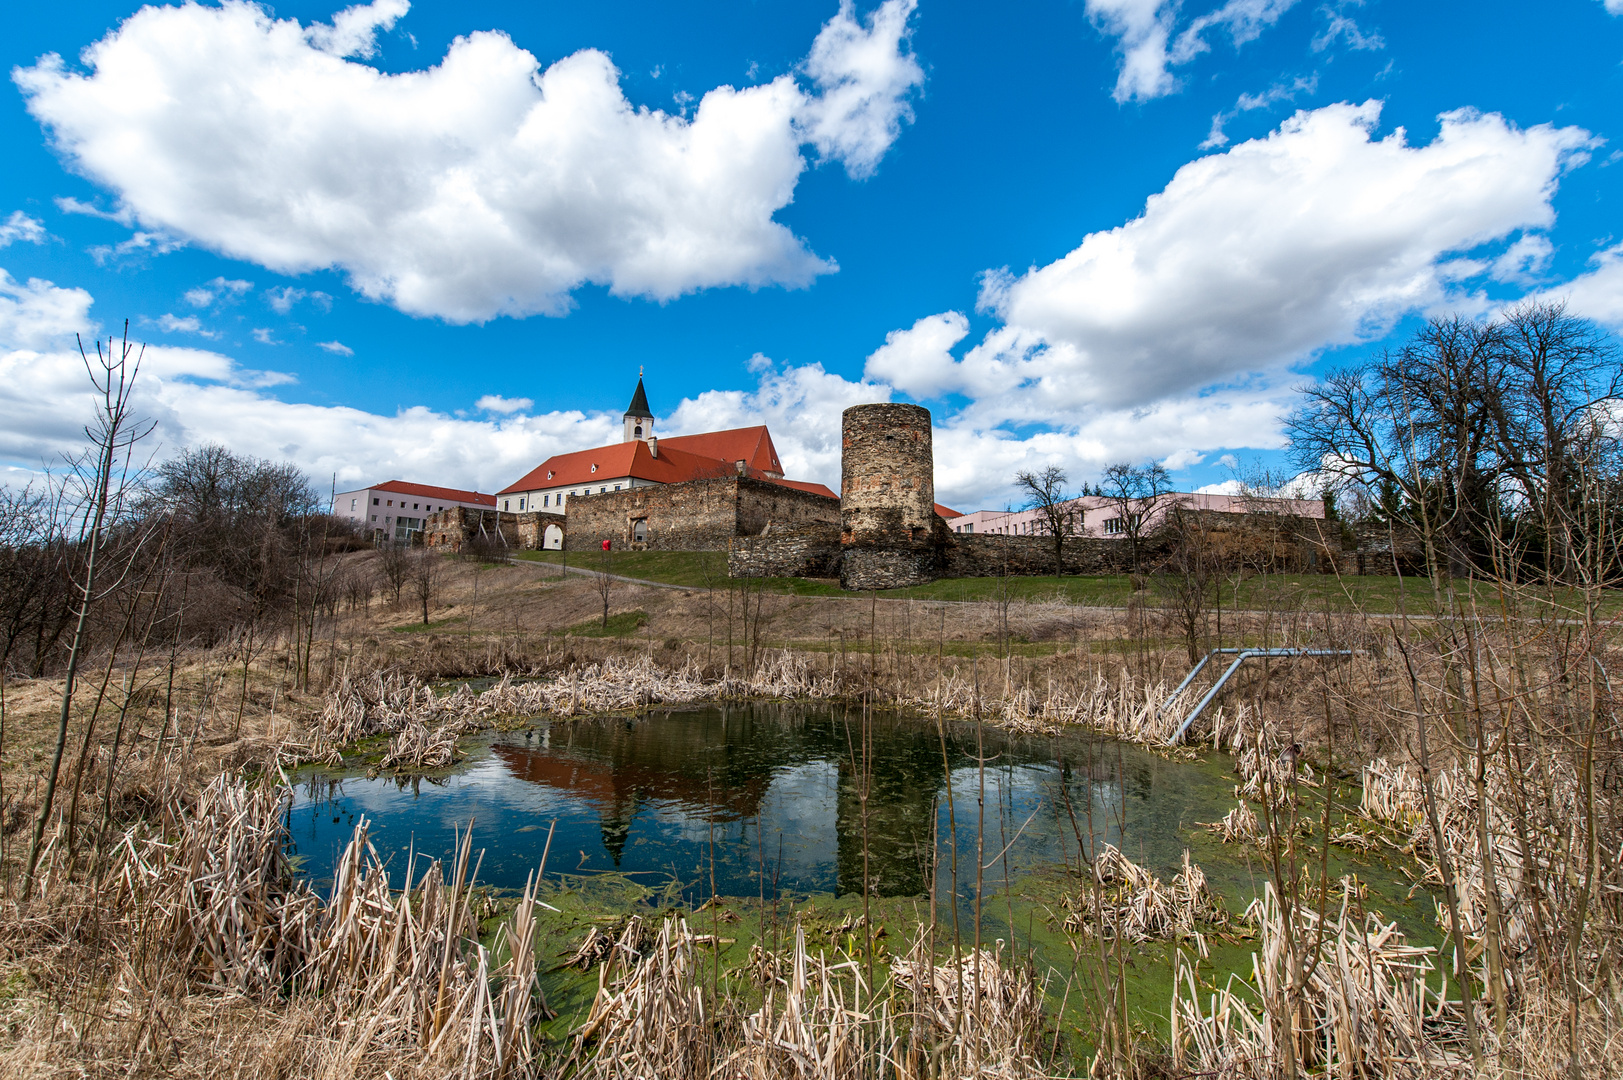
1079, 232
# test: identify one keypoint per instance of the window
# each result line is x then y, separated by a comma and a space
391, 502
507, 504
601, 490
521, 504
387, 519
374, 517
636, 432
969, 527
1116, 526
374, 503
352, 503
616, 487
413, 505
639, 529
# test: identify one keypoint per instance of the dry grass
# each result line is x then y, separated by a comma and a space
1369, 1006
186, 948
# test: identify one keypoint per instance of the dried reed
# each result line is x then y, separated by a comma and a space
1369, 1007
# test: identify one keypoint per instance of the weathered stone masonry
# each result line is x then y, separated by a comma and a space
890, 534
455, 526
811, 550
700, 515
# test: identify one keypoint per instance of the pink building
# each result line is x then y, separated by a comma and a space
1101, 516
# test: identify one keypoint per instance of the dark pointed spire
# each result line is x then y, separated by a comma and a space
639, 402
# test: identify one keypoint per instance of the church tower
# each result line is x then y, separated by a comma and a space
639, 418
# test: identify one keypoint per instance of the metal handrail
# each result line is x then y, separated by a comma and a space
1189, 678
1244, 655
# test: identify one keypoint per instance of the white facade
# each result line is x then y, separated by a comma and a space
398, 509
555, 499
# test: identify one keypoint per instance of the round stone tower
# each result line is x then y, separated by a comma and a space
890, 535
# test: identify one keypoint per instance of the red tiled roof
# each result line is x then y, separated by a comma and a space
946, 511
428, 491
672, 466
804, 485
751, 445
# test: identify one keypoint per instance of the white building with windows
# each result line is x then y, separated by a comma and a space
398, 509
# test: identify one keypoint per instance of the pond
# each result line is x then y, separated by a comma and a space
764, 800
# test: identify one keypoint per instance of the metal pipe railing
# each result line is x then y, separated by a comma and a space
1244, 655
1189, 678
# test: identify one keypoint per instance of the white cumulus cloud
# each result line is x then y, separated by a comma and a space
1144, 29
1318, 235
483, 186
282, 300
497, 404
919, 360
1597, 293
863, 77
19, 226
188, 324
198, 396
337, 348
39, 314
1178, 333
226, 289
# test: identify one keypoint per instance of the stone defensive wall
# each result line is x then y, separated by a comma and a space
810, 550
991, 555
452, 528
699, 515
817, 553
1268, 542
1263, 542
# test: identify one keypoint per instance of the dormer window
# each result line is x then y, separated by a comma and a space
549, 474
594, 466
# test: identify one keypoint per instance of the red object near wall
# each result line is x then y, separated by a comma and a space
605, 545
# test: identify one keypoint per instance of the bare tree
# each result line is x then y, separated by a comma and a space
1138, 494
394, 567
1471, 431
1188, 581
425, 573
605, 581
1562, 383
1058, 514
113, 435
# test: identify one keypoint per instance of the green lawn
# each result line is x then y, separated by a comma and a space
1373, 595
671, 567
620, 624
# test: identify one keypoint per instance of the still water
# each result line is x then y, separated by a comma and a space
768, 799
